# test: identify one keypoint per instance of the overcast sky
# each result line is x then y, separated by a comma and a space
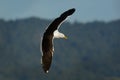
86, 10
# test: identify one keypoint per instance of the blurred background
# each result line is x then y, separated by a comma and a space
91, 52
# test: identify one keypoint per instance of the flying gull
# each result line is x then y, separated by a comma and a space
48, 36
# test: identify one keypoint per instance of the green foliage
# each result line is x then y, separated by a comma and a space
92, 51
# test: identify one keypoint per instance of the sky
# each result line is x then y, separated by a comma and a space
86, 10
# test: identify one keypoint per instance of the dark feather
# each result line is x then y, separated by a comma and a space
55, 24
47, 49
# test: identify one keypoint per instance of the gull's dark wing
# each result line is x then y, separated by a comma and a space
47, 49
55, 24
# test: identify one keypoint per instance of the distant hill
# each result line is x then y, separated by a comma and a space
92, 51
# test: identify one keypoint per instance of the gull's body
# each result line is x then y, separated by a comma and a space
48, 36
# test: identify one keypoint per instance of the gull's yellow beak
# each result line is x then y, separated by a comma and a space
65, 37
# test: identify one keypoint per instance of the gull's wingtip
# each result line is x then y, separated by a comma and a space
68, 12
72, 10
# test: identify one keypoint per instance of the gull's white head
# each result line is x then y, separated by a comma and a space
57, 34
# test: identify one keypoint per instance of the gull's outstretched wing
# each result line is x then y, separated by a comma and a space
56, 23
